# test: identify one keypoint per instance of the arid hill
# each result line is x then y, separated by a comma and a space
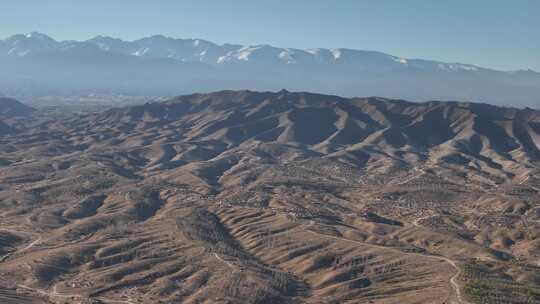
4, 128
13, 108
263, 197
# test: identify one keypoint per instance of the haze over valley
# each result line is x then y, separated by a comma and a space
36, 65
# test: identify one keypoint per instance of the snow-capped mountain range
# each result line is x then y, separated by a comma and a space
197, 50
38, 61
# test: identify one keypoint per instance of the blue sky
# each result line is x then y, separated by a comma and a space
500, 34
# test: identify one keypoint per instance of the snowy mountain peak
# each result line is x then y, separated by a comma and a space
24, 44
338, 71
198, 50
38, 35
336, 53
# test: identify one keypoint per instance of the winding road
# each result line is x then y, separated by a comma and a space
37, 241
50, 294
54, 294
531, 186
453, 279
226, 262
420, 173
28, 247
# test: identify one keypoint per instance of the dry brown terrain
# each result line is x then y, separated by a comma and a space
246, 197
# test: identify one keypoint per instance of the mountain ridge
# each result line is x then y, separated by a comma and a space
35, 64
242, 52
13, 108
343, 128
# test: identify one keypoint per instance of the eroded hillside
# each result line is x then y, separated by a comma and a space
246, 197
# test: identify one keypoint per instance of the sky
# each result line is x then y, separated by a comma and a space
498, 34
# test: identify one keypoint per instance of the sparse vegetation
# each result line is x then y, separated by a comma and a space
195, 201
488, 284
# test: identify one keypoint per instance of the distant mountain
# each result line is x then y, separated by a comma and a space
161, 65
4, 128
10, 111
12, 108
